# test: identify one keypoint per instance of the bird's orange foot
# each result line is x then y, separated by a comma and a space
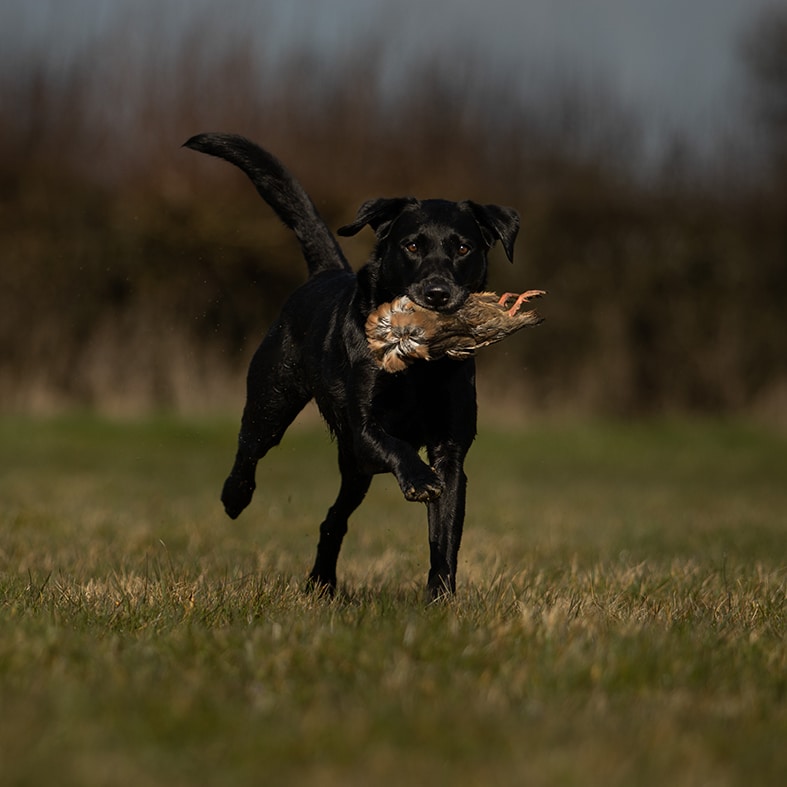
525, 297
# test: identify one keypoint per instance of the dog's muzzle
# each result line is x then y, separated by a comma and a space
437, 295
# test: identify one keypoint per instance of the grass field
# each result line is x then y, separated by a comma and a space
620, 619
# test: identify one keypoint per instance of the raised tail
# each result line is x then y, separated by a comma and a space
283, 193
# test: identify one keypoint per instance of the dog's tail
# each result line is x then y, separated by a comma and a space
283, 193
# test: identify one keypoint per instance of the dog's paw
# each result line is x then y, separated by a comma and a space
441, 586
321, 586
423, 488
236, 495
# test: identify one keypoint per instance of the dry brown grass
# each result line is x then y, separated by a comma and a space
621, 614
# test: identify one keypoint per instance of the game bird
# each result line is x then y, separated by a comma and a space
401, 332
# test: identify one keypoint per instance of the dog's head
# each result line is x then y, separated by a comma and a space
433, 251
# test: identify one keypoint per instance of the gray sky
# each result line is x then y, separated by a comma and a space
675, 60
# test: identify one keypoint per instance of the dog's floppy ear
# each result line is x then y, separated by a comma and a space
378, 214
497, 223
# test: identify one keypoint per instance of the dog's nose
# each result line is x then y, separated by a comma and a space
436, 295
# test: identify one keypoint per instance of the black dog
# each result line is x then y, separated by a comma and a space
435, 252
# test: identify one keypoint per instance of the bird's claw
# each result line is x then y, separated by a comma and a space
519, 299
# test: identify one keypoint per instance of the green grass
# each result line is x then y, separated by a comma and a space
620, 619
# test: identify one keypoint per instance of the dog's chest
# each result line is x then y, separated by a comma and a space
405, 404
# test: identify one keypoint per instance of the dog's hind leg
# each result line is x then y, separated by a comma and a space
275, 396
332, 531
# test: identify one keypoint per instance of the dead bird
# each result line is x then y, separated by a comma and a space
401, 332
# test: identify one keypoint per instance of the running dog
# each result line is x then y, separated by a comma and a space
435, 252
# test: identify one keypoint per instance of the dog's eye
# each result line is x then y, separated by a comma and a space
463, 249
411, 247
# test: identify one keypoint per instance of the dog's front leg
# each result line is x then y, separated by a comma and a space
377, 451
446, 521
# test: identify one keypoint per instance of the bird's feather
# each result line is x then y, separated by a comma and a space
401, 332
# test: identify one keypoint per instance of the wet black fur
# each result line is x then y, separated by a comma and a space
435, 252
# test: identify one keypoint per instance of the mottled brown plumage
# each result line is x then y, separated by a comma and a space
401, 331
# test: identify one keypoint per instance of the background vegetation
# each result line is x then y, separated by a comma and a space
136, 275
